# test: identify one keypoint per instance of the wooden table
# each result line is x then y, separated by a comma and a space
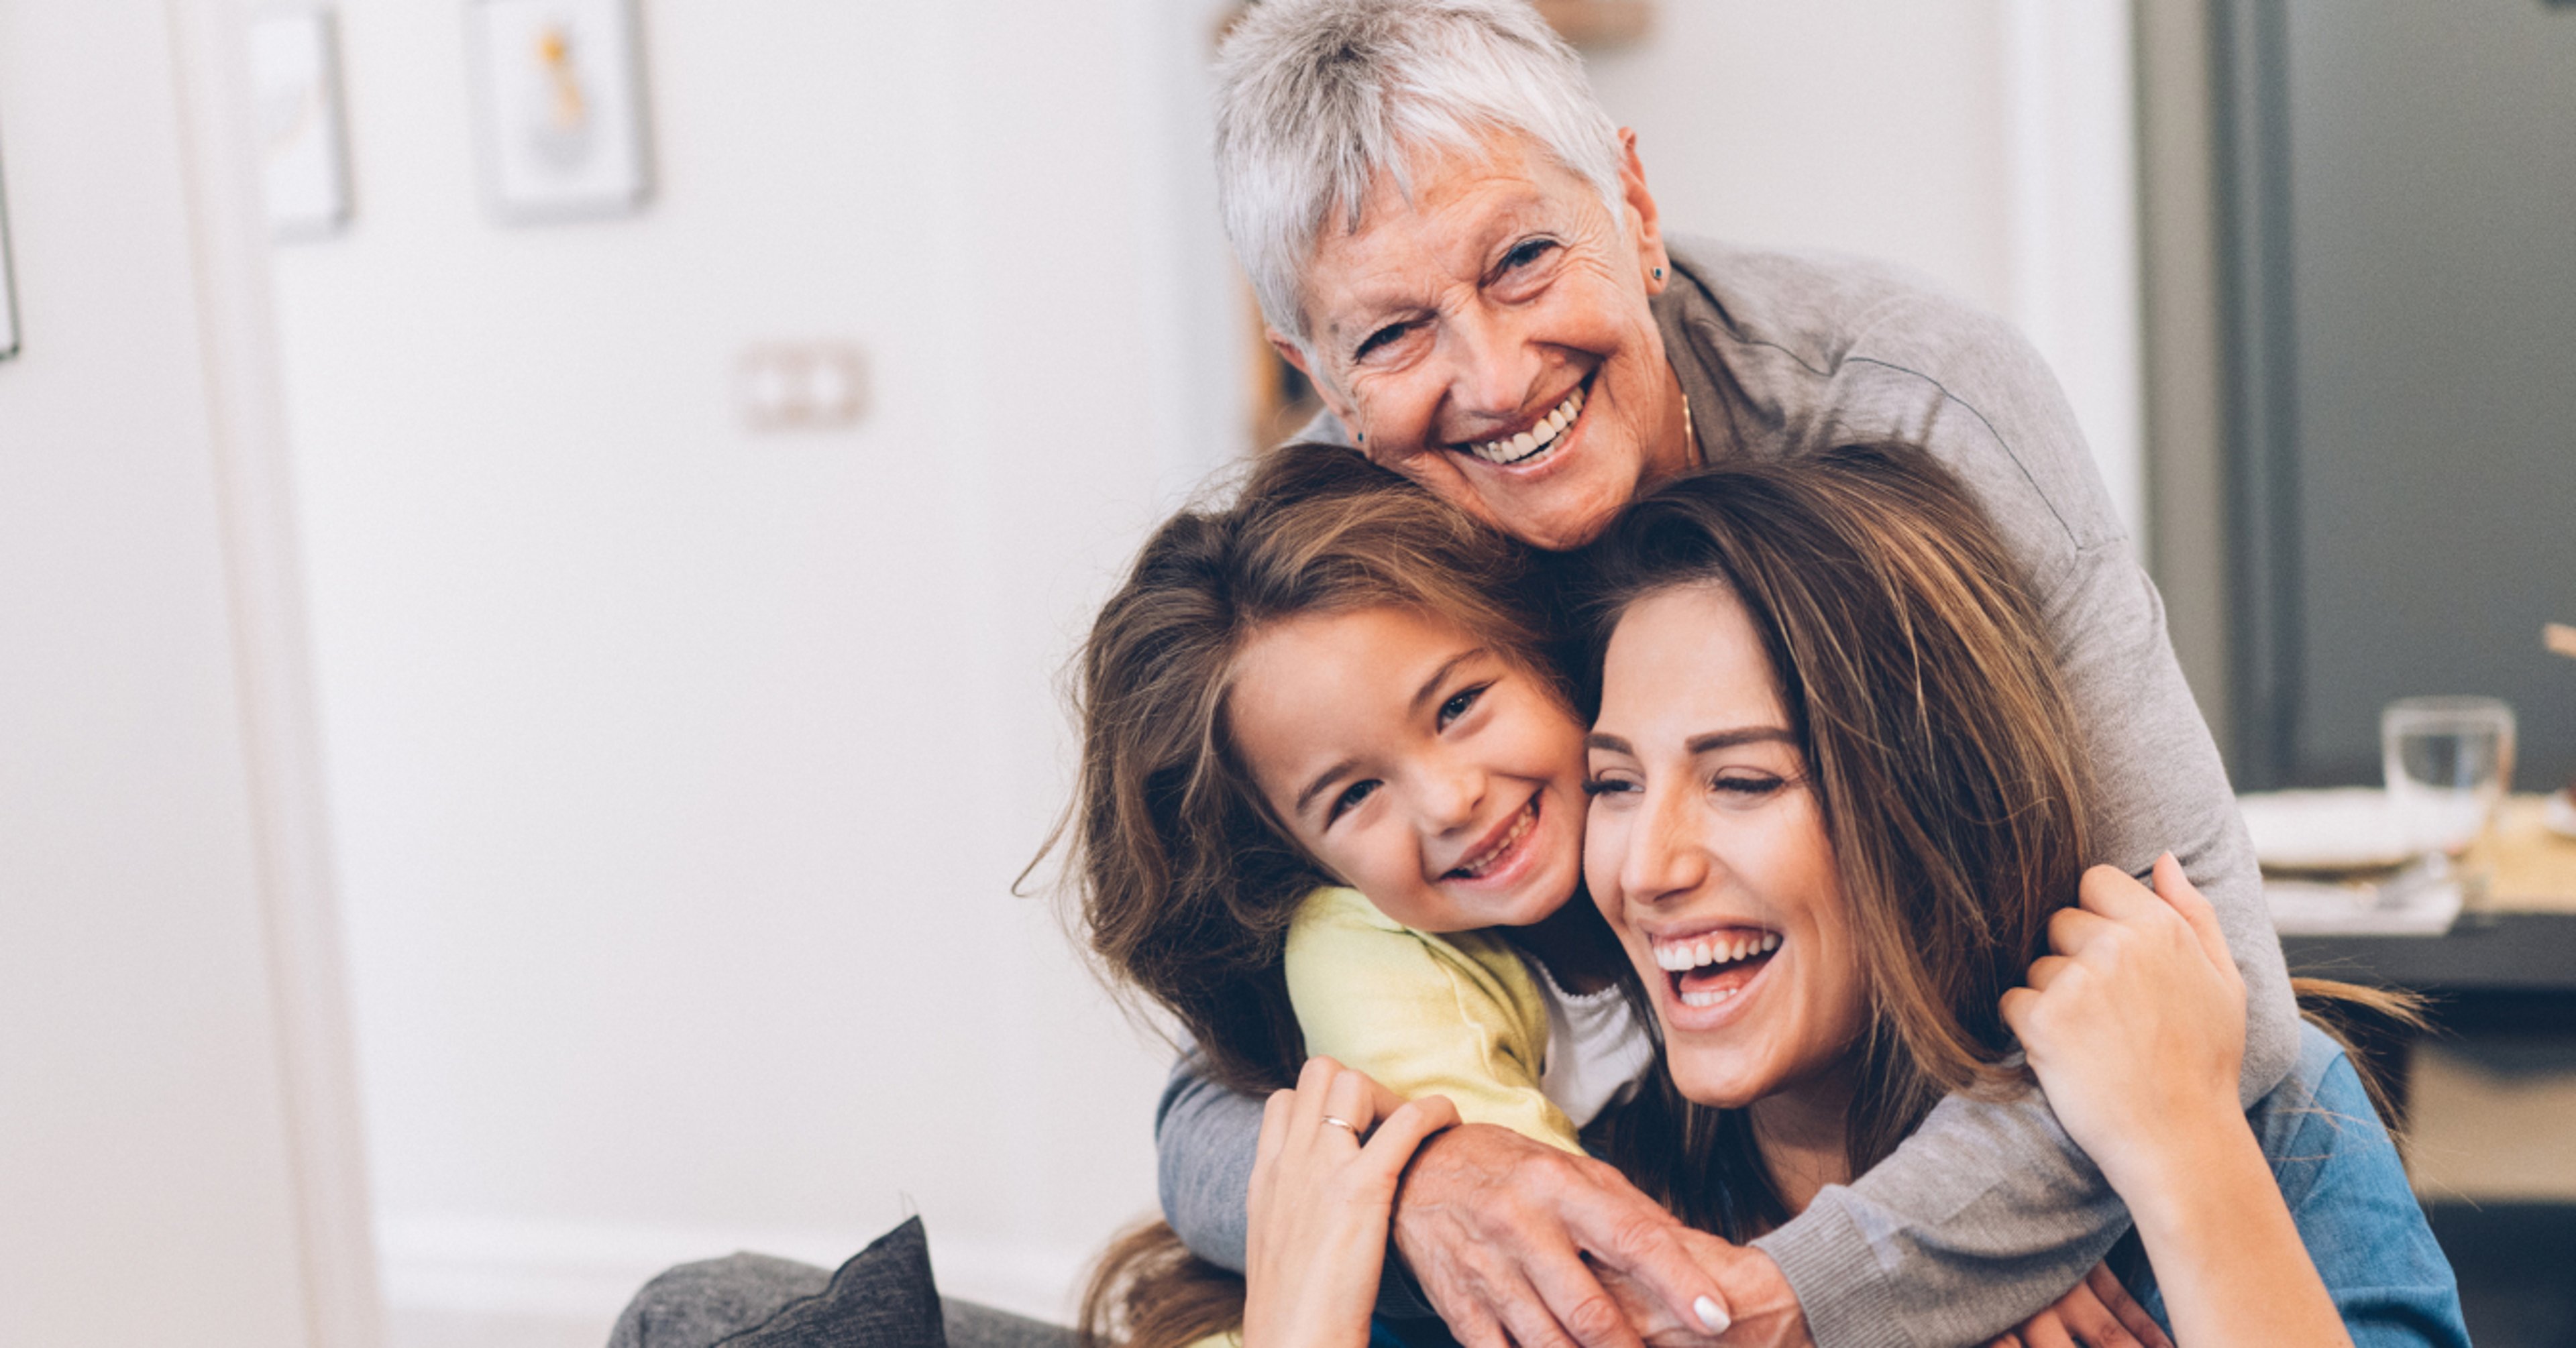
2507, 967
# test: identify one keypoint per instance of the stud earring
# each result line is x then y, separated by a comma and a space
1363, 436
1659, 273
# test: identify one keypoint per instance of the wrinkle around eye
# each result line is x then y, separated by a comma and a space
1527, 270
1525, 253
1378, 343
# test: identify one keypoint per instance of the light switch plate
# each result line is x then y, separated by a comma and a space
804, 386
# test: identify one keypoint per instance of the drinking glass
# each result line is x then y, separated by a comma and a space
2449, 762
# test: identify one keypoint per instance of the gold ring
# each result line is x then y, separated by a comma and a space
1345, 1125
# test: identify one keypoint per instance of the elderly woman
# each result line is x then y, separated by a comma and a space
1454, 242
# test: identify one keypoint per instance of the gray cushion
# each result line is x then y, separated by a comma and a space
882, 1298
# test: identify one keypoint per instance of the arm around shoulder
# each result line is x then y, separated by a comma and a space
2158, 786
1205, 1140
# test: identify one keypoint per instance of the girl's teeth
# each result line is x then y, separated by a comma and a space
1710, 998
1472, 869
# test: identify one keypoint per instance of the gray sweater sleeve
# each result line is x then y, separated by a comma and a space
1204, 1139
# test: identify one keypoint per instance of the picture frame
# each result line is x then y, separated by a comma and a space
304, 144
561, 104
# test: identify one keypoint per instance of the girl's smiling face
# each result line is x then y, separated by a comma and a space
1708, 855
1417, 763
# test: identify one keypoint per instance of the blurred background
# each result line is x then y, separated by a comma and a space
530, 664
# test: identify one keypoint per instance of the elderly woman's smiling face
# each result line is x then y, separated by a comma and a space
1491, 338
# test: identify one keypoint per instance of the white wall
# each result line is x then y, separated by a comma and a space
680, 773
1987, 144
176, 1160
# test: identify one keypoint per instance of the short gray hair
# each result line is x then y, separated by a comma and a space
1315, 98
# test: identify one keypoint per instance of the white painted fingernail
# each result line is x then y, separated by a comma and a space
1712, 1315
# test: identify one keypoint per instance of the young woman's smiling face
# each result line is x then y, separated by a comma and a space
1708, 854
1416, 763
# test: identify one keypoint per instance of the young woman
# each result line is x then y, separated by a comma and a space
1831, 815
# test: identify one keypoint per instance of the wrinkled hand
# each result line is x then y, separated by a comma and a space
2099, 1313
2135, 1024
1320, 1202
1766, 1312
1497, 1229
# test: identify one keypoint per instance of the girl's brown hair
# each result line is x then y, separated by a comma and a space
1921, 686
1186, 882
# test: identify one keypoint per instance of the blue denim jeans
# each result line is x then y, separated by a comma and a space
2364, 1230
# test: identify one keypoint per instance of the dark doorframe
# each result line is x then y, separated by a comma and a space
2258, 341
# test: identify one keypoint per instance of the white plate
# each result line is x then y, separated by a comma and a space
2347, 829
2559, 815
2422, 900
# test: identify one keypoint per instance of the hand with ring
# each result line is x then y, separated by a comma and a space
1323, 1189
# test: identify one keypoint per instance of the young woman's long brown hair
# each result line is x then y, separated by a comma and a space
1186, 882
1921, 685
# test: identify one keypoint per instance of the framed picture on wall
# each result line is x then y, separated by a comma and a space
295, 83
561, 94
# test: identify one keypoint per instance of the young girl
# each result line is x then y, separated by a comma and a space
1341, 687
1337, 687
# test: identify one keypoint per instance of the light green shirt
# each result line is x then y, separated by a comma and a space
1457, 1015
